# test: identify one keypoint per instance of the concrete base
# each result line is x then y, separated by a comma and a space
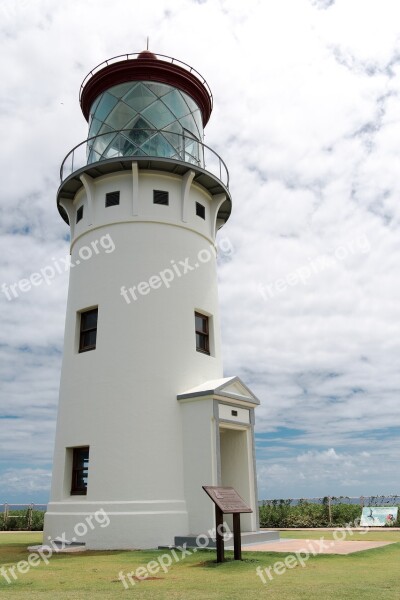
248, 537
114, 525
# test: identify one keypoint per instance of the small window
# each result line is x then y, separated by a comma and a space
79, 214
234, 413
88, 330
202, 333
112, 199
200, 210
80, 467
160, 197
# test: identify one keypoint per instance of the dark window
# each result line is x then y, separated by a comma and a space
80, 466
202, 333
88, 330
112, 199
79, 214
160, 197
234, 413
200, 210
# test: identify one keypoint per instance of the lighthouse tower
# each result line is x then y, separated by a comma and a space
145, 414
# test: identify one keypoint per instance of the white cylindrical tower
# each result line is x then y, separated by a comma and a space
144, 198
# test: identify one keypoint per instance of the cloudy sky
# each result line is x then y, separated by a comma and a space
307, 117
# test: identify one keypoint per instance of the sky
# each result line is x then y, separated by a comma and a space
307, 118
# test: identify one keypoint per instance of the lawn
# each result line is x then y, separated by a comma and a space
94, 575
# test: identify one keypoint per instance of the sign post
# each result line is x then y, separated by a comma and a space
227, 501
219, 520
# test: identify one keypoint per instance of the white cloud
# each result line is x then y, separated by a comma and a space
26, 480
329, 472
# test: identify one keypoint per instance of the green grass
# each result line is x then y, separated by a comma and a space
94, 575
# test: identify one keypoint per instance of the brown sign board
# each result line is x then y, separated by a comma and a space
227, 499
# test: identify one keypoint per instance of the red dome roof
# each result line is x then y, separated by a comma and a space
146, 66
147, 54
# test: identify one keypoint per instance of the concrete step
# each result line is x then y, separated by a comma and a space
57, 548
248, 537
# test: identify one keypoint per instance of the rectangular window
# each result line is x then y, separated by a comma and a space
202, 333
160, 197
80, 466
88, 330
112, 199
200, 210
79, 214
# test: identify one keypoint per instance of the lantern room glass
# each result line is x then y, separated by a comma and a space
144, 118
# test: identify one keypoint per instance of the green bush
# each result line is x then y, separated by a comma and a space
342, 514
274, 513
37, 520
279, 513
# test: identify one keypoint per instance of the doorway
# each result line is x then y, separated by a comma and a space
236, 456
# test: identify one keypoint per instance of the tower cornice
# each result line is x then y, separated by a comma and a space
73, 183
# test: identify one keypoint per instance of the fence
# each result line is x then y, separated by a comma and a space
19, 514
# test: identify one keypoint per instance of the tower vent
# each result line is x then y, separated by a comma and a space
112, 199
200, 210
160, 197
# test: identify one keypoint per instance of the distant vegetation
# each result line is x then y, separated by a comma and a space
329, 512
22, 519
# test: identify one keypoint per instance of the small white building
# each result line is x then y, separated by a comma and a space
145, 415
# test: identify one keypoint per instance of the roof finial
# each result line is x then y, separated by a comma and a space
147, 43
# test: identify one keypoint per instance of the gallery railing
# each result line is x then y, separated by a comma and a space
152, 143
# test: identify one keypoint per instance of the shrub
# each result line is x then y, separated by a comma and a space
37, 520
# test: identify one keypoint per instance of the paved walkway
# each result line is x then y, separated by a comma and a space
329, 528
321, 546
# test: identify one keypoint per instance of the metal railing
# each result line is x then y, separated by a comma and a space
7, 513
137, 143
133, 56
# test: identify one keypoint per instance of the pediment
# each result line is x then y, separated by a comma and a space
230, 387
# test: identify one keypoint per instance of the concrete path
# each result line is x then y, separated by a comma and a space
321, 546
